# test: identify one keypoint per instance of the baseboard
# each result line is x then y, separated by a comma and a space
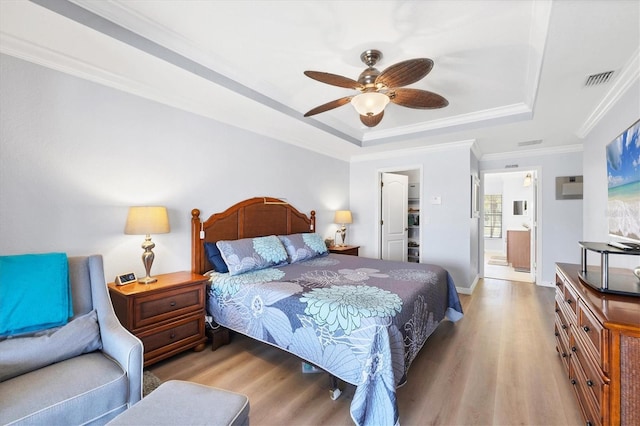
546, 284
468, 290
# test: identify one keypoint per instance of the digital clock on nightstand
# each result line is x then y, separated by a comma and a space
127, 278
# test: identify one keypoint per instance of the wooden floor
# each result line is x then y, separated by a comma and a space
496, 366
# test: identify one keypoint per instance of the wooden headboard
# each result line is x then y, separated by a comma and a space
255, 217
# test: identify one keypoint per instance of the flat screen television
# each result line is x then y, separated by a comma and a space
623, 174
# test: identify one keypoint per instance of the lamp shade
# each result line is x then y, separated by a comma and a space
147, 220
370, 103
342, 216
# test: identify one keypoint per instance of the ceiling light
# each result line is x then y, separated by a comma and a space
377, 89
370, 103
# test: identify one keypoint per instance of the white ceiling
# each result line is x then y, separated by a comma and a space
512, 71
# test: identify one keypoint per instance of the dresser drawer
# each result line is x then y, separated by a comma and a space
588, 405
562, 344
171, 335
161, 306
571, 302
591, 377
592, 332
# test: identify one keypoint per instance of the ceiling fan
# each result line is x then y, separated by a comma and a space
379, 88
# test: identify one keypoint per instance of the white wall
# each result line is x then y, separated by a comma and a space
624, 113
74, 155
560, 221
444, 228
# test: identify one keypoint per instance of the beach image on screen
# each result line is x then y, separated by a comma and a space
623, 173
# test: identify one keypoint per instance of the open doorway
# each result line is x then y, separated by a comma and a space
400, 196
510, 223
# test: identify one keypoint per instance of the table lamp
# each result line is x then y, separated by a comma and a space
147, 221
343, 217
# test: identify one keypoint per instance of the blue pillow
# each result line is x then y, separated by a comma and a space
215, 258
303, 246
251, 254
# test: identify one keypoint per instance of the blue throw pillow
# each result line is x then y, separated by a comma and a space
215, 258
34, 292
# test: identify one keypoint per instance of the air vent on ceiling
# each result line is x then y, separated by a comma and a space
601, 78
527, 143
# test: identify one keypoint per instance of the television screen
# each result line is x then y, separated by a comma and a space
623, 173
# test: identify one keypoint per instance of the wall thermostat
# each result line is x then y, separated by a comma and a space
127, 278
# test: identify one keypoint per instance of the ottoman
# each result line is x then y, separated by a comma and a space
177, 402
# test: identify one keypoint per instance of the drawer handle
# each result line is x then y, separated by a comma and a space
557, 310
574, 349
569, 301
557, 334
564, 327
564, 354
172, 303
172, 335
573, 381
586, 329
589, 383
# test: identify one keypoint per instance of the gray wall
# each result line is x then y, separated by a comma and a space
445, 229
74, 155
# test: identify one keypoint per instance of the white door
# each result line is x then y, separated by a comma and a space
394, 228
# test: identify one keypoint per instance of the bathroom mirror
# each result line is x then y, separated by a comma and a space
519, 207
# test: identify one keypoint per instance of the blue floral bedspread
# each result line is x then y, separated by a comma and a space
362, 320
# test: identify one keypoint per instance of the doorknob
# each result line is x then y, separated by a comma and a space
406, 229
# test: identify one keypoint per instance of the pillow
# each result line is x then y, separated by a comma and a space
20, 355
251, 254
215, 258
34, 292
303, 246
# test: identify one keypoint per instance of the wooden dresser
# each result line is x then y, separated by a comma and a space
167, 315
598, 339
519, 250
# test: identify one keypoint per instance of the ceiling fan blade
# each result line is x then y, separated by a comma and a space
372, 120
405, 72
329, 105
334, 79
415, 98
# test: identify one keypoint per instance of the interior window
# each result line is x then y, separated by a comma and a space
493, 216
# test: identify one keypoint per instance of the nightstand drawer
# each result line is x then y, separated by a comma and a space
166, 305
173, 334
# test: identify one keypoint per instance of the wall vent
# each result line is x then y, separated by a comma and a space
601, 78
527, 143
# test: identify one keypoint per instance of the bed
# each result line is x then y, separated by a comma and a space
362, 320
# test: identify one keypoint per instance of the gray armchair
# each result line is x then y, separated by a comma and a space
91, 388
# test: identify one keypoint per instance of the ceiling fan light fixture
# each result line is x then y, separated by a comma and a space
370, 103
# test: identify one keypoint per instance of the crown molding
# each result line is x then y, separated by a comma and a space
509, 113
533, 152
412, 151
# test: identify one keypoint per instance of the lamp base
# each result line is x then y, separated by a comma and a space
147, 280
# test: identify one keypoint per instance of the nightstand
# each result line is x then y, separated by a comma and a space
349, 250
167, 315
